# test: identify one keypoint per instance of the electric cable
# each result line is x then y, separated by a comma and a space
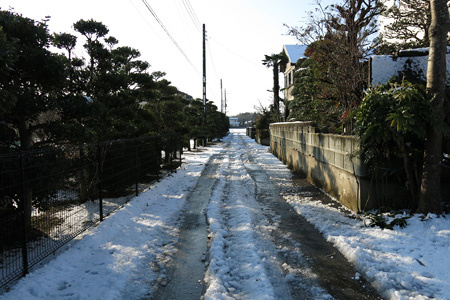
168, 34
212, 59
236, 54
148, 23
192, 14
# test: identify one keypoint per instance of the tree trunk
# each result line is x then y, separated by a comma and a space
83, 176
430, 198
276, 89
25, 135
286, 110
413, 183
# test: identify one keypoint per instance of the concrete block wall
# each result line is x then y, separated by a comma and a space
327, 160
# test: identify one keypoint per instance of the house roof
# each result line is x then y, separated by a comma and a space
295, 52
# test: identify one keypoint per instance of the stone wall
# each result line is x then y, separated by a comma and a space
263, 137
251, 132
327, 160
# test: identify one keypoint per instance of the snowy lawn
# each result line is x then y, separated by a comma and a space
124, 256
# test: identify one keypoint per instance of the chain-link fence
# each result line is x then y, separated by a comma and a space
49, 196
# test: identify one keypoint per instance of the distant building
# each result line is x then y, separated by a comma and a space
234, 122
294, 53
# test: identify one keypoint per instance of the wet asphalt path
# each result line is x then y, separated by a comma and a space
185, 273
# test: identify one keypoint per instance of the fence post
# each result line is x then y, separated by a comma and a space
100, 179
171, 154
157, 153
180, 141
24, 217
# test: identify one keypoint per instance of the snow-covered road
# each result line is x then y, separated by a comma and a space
243, 260
251, 255
255, 248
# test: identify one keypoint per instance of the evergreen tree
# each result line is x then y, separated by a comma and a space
405, 26
193, 111
275, 61
31, 79
167, 104
246, 117
217, 124
113, 85
315, 97
7, 60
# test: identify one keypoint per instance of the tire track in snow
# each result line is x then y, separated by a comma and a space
299, 275
182, 277
243, 262
319, 268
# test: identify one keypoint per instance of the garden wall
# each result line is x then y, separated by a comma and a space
263, 137
327, 160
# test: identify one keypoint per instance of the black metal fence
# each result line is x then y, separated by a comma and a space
49, 196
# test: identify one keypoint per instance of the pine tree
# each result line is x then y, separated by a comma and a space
405, 26
31, 80
274, 61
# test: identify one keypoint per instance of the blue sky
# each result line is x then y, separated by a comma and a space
240, 33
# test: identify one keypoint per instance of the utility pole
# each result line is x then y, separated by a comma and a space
225, 102
204, 74
221, 97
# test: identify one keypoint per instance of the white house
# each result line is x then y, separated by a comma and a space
294, 53
234, 122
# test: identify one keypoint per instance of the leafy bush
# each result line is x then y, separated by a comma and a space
263, 121
385, 221
391, 122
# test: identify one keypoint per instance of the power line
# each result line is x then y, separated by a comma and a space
185, 20
236, 54
192, 14
146, 21
168, 33
212, 59
193, 11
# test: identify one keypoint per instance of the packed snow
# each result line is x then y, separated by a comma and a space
124, 257
243, 264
